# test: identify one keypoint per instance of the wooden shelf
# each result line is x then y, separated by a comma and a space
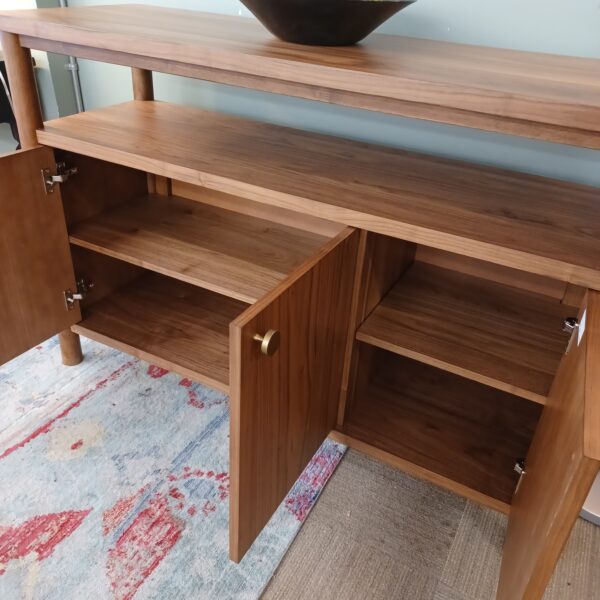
548, 97
236, 255
172, 324
498, 335
534, 224
461, 433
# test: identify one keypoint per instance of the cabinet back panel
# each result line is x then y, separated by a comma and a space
460, 429
98, 186
276, 214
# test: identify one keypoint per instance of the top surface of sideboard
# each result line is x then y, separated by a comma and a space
549, 97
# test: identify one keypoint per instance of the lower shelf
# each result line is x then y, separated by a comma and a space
172, 324
456, 432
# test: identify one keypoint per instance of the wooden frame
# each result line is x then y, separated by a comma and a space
432, 234
560, 104
531, 223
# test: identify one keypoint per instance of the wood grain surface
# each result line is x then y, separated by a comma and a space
536, 95
97, 187
591, 434
236, 255
35, 263
411, 468
23, 89
381, 260
558, 470
284, 406
464, 431
169, 323
498, 335
260, 210
522, 221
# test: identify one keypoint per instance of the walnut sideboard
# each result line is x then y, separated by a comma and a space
440, 316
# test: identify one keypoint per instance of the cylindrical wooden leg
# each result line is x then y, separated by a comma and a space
70, 348
23, 89
143, 88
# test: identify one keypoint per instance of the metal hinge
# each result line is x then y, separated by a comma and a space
63, 173
83, 287
520, 469
570, 324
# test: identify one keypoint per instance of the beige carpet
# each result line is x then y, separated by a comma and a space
378, 534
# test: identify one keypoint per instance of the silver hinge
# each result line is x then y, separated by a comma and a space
570, 324
63, 173
520, 469
83, 287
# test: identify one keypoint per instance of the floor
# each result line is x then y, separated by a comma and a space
379, 534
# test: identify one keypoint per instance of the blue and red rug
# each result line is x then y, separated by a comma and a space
114, 484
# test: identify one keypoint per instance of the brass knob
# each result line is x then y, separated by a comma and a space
269, 343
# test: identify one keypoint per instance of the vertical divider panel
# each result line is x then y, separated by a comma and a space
381, 262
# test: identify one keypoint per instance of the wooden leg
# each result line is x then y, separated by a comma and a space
70, 348
22, 86
143, 88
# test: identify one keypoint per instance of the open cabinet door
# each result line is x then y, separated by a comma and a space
560, 468
283, 406
35, 261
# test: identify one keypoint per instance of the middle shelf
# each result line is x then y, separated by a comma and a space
237, 255
496, 334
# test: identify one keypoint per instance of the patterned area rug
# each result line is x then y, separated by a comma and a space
114, 484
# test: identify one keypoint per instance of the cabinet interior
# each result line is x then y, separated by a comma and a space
452, 361
451, 357
467, 433
170, 273
170, 323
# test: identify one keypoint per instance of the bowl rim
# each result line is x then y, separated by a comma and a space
381, 1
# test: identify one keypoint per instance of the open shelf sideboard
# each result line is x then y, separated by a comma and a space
409, 306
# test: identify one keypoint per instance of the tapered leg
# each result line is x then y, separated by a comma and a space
70, 348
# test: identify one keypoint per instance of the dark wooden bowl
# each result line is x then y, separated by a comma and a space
323, 22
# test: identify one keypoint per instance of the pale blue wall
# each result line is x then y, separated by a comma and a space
569, 27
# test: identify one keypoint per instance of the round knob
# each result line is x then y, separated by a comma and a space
269, 343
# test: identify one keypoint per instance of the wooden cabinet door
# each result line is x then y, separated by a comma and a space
35, 260
283, 406
560, 468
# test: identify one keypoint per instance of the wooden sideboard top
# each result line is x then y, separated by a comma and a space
555, 98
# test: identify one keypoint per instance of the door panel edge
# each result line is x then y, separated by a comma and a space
35, 259
559, 473
284, 406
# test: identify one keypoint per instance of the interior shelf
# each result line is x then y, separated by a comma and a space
169, 323
235, 255
467, 433
519, 93
498, 335
521, 221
